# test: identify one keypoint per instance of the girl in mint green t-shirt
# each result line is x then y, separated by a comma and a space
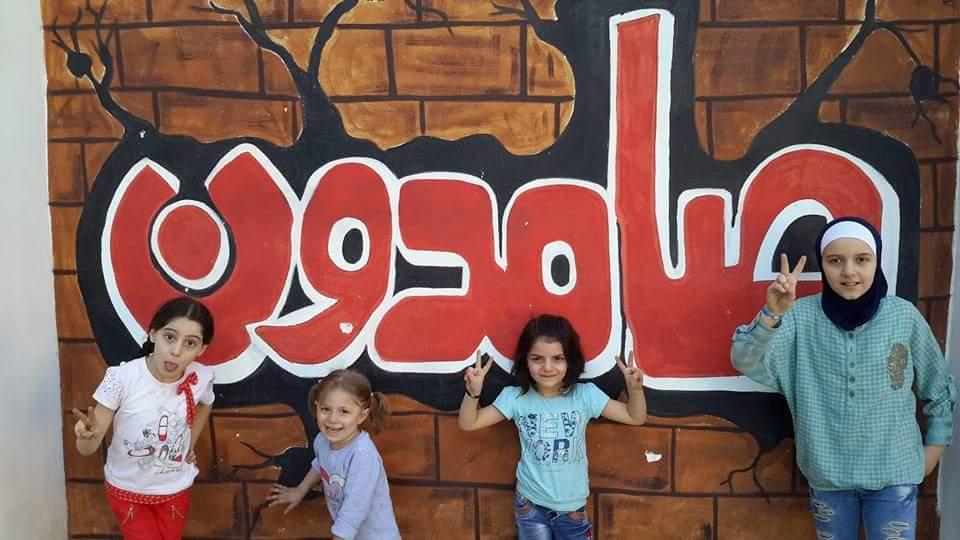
551, 410
851, 363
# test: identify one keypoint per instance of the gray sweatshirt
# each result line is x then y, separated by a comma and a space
355, 486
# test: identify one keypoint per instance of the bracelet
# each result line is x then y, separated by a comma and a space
770, 314
467, 392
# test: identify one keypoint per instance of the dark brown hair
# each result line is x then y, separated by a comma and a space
358, 386
553, 328
185, 307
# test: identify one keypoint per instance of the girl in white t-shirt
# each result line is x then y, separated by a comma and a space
158, 405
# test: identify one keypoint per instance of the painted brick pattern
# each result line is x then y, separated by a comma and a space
753, 58
735, 107
197, 73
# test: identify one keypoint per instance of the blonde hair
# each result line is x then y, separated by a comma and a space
358, 386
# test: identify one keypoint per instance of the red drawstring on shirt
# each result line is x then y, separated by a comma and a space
184, 388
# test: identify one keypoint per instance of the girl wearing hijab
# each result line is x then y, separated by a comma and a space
847, 361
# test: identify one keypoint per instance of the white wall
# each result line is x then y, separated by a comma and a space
950, 467
32, 494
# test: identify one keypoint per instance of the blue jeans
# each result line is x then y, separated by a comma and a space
535, 522
887, 514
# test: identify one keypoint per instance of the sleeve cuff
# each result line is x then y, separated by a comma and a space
939, 432
343, 531
106, 402
759, 331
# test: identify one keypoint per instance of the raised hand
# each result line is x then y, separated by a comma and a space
86, 426
782, 293
475, 374
281, 494
631, 372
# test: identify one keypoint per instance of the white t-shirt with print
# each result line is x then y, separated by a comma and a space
151, 438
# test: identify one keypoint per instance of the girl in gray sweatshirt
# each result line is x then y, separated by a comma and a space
347, 461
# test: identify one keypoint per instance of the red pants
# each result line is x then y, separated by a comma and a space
160, 521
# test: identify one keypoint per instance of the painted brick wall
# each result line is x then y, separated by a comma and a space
753, 58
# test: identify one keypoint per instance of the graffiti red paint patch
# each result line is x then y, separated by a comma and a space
315, 262
188, 242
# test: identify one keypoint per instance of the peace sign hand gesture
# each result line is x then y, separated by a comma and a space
86, 426
474, 375
782, 293
631, 372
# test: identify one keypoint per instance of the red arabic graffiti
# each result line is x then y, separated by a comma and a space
679, 315
682, 324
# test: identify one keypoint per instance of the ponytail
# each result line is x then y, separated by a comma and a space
379, 417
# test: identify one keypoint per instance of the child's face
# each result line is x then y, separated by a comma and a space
849, 266
547, 365
175, 346
339, 417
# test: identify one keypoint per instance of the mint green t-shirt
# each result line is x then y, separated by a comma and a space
851, 393
553, 463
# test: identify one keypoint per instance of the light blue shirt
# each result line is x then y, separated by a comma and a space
851, 392
553, 463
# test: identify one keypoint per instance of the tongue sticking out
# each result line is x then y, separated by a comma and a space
170, 366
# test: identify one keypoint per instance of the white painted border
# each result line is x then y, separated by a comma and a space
597, 366
551, 251
223, 250
362, 333
238, 368
136, 332
338, 233
665, 32
249, 360
230, 370
890, 216
783, 220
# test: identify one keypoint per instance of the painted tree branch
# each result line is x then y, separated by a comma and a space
817, 91
752, 468
898, 33
527, 11
419, 9
924, 81
80, 66
324, 34
317, 110
103, 45
255, 29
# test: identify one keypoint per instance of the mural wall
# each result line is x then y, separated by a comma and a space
388, 185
